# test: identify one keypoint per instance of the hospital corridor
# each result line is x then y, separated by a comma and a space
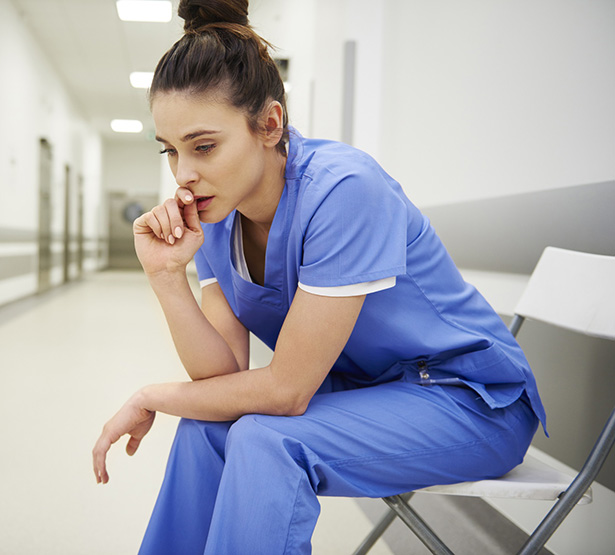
494, 121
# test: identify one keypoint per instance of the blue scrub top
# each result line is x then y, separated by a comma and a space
342, 220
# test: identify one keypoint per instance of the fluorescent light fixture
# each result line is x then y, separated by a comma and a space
141, 79
126, 126
157, 11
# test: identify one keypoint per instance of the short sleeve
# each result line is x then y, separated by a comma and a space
352, 290
357, 232
204, 271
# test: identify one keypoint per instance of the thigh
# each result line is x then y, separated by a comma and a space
398, 436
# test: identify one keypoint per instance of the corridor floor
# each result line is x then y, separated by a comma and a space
68, 360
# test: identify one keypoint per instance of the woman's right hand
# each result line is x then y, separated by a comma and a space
168, 236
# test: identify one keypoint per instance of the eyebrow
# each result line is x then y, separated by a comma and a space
191, 136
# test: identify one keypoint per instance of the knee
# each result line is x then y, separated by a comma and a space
195, 433
245, 430
260, 445
186, 435
254, 433
187, 428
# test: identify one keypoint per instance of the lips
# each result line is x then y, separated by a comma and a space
203, 202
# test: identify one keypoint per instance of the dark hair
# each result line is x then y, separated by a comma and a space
220, 52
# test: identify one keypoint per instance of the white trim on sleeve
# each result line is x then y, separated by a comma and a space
206, 282
353, 290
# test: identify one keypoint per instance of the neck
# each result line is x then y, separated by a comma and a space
261, 211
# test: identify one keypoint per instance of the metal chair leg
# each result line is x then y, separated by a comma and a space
375, 534
575, 491
380, 528
417, 525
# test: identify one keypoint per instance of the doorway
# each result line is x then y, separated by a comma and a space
44, 216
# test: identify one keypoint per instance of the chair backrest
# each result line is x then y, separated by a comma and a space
572, 290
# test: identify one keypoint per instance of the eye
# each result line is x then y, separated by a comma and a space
205, 149
168, 151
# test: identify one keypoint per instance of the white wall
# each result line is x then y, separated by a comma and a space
288, 25
459, 100
34, 104
487, 98
312, 33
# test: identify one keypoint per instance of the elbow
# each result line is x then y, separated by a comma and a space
286, 397
291, 403
197, 372
297, 408
291, 410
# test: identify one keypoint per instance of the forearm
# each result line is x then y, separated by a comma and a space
222, 398
202, 350
286, 385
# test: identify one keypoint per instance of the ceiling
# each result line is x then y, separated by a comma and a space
94, 53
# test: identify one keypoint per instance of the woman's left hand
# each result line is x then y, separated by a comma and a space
132, 419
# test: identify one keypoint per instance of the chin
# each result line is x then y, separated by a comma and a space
208, 217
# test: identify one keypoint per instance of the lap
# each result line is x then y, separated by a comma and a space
399, 436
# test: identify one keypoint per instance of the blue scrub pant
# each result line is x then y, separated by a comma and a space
250, 487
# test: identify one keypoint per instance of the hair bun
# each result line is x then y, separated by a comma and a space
198, 13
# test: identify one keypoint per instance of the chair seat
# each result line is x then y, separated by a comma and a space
532, 479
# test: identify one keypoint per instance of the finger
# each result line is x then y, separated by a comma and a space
99, 456
102, 477
161, 213
146, 224
191, 216
169, 216
132, 445
175, 218
183, 197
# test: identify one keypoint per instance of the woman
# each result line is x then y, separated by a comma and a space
389, 372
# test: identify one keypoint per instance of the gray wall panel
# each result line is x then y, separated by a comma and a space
17, 265
508, 234
10, 235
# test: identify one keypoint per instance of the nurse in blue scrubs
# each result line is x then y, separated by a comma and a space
389, 372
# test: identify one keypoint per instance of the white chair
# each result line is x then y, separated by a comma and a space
571, 290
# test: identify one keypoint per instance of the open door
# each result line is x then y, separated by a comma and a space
44, 216
66, 236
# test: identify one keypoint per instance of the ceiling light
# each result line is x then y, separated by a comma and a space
145, 10
141, 79
126, 126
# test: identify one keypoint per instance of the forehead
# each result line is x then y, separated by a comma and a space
177, 113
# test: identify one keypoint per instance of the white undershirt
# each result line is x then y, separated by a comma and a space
354, 289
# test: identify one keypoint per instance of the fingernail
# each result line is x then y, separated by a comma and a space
171, 239
178, 232
188, 198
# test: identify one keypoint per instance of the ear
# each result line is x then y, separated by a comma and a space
273, 119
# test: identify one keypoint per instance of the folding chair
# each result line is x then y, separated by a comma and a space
570, 290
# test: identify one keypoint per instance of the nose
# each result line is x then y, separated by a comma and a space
185, 172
